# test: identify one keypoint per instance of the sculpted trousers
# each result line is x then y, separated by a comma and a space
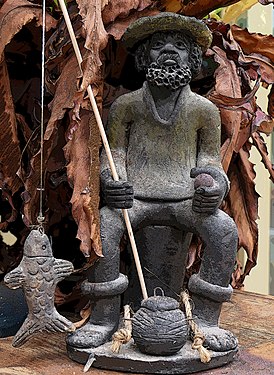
209, 288
218, 233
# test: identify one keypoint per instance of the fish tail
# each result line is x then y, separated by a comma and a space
31, 326
27, 330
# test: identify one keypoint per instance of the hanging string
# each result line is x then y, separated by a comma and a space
40, 217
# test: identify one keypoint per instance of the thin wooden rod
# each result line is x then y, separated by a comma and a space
107, 149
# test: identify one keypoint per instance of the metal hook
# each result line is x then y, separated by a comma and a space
161, 290
41, 230
40, 219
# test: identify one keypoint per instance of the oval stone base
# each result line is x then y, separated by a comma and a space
130, 359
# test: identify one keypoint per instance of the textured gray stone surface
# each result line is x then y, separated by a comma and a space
130, 359
170, 246
165, 141
160, 327
38, 274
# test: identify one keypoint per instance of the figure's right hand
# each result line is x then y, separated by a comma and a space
116, 194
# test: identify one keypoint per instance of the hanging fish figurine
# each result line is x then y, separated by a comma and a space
38, 274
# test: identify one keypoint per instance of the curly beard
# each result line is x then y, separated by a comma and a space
172, 77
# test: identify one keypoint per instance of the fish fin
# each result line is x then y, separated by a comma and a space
59, 323
14, 278
27, 330
62, 268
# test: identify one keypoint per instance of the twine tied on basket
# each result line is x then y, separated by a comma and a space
198, 336
123, 335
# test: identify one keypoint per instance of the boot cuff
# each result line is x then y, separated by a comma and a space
216, 293
108, 288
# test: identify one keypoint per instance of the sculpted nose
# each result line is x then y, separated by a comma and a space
168, 47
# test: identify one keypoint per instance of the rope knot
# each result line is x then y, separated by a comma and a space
198, 340
123, 335
120, 337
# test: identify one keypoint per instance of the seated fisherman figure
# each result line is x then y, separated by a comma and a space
165, 141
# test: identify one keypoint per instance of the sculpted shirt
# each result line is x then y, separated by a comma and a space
156, 155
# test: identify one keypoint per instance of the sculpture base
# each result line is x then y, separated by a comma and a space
130, 359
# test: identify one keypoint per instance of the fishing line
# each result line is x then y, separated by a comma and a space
161, 281
40, 217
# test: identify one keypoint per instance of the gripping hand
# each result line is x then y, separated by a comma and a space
116, 194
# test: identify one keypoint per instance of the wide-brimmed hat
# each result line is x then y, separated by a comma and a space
167, 21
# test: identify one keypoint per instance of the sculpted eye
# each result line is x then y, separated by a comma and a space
157, 44
44, 247
180, 44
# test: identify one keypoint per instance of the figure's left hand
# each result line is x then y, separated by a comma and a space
210, 188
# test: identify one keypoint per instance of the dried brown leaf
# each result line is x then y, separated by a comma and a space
254, 42
63, 100
261, 147
9, 151
258, 49
58, 47
82, 154
227, 84
115, 16
237, 276
31, 144
195, 8
266, 68
64, 97
122, 9
14, 14
224, 101
270, 108
231, 54
267, 126
11, 217
263, 122
253, 63
10, 256
96, 39
253, 119
85, 314
242, 205
194, 251
118, 28
59, 297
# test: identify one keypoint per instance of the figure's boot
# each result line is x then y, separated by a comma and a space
105, 313
208, 299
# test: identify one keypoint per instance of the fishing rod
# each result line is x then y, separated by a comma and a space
107, 149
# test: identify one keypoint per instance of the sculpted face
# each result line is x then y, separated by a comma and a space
169, 61
169, 53
169, 49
